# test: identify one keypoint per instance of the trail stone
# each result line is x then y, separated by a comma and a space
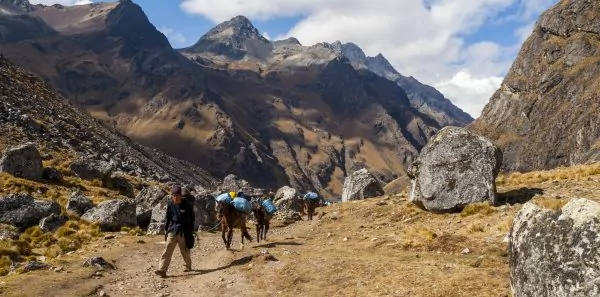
456, 168
555, 253
52, 222
23, 211
361, 185
23, 161
113, 214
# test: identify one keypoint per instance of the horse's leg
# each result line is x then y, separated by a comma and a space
265, 230
257, 232
229, 238
242, 230
223, 230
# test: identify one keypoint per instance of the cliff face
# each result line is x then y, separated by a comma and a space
547, 112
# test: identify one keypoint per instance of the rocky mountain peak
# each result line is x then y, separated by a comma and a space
233, 39
353, 52
288, 41
17, 5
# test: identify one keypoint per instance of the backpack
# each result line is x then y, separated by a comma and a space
311, 196
225, 197
270, 208
242, 205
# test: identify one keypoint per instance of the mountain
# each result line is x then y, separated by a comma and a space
422, 97
31, 111
302, 116
546, 112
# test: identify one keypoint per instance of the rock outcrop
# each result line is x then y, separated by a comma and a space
157, 220
456, 168
287, 198
111, 215
361, 185
146, 200
23, 161
206, 214
546, 113
23, 211
79, 203
554, 253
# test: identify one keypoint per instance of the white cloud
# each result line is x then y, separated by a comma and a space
61, 2
421, 38
173, 36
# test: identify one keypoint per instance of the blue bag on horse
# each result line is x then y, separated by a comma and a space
225, 197
311, 196
242, 205
269, 207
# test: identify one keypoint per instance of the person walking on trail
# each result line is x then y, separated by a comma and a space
179, 227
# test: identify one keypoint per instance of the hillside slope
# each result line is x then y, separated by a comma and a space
546, 112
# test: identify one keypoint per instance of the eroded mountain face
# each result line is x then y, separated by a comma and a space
272, 113
546, 112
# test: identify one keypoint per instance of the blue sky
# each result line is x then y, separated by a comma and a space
462, 47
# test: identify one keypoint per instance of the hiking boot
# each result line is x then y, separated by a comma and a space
187, 269
160, 273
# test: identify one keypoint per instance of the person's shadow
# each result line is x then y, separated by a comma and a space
194, 272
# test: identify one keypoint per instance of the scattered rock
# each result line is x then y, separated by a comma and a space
285, 193
231, 183
109, 236
466, 251
345, 239
113, 214
555, 252
79, 203
24, 211
91, 169
288, 216
361, 185
457, 167
32, 266
98, 262
8, 232
52, 222
23, 161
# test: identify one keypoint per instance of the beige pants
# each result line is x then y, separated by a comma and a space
172, 241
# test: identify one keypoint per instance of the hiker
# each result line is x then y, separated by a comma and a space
179, 227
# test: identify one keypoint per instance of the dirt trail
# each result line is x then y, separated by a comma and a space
217, 271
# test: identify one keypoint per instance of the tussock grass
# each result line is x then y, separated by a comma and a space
484, 208
475, 227
550, 203
558, 174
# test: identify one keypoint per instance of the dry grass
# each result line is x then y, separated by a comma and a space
372, 250
484, 208
559, 174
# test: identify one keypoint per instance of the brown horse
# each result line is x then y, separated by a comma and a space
231, 218
263, 219
310, 205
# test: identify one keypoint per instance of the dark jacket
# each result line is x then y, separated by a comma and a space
179, 219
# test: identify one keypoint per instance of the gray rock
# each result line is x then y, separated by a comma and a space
285, 193
146, 200
157, 221
288, 216
23, 161
361, 185
79, 203
91, 169
98, 262
232, 183
52, 222
23, 211
555, 252
456, 168
204, 208
113, 214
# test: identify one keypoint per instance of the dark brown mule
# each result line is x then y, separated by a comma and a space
230, 219
262, 219
309, 207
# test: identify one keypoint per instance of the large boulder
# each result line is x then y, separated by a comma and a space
79, 203
157, 220
206, 215
456, 168
361, 185
24, 211
285, 193
232, 183
113, 214
23, 161
146, 200
91, 169
555, 252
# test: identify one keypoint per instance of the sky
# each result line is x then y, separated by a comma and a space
463, 48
